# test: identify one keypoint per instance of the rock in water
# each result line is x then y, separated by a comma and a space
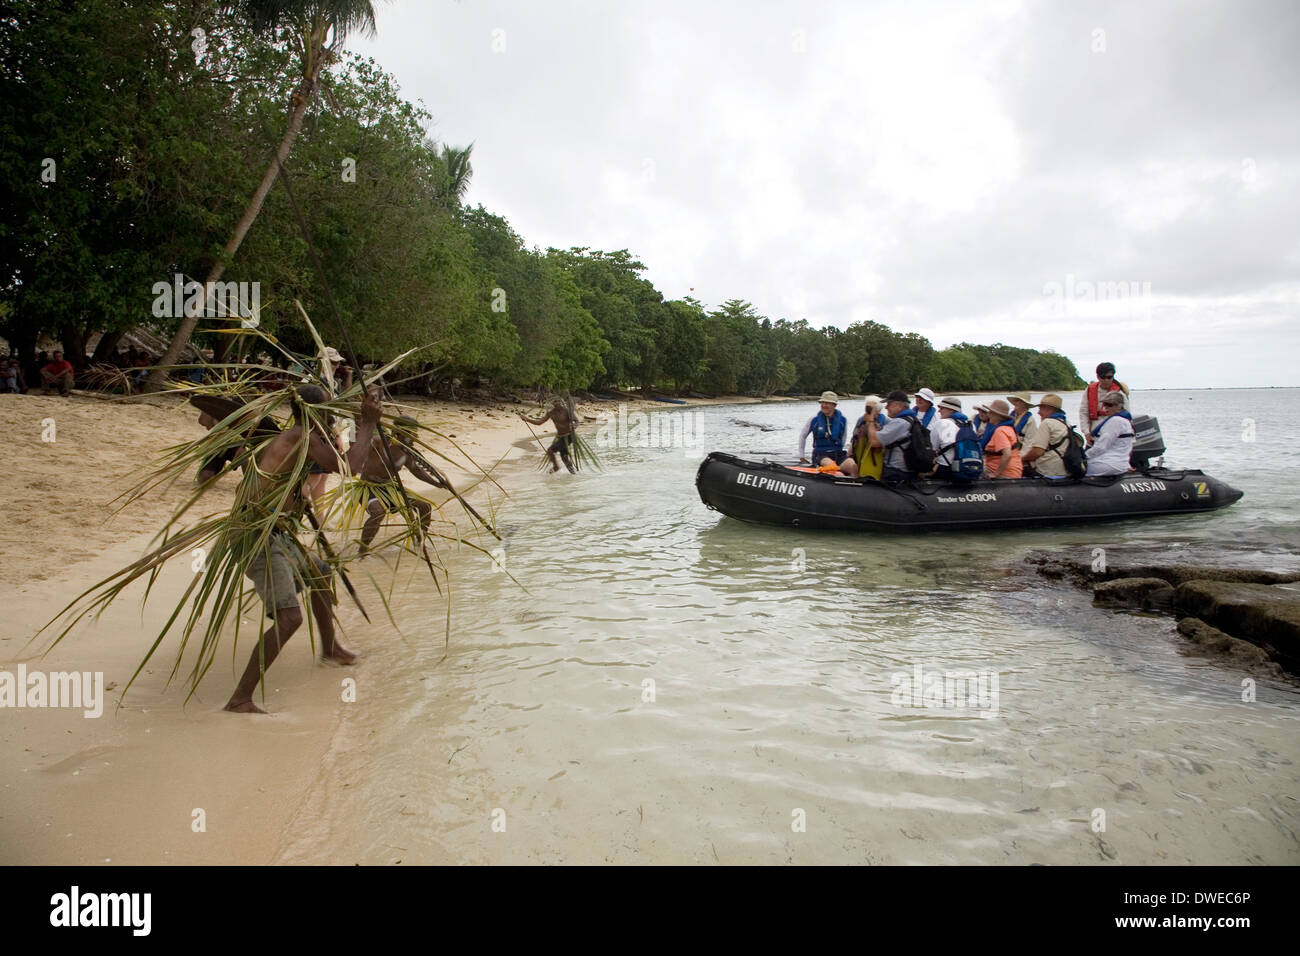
1264, 614
1144, 593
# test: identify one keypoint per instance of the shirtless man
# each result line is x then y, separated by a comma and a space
385, 494
273, 572
558, 414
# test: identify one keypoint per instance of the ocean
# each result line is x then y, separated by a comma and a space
632, 678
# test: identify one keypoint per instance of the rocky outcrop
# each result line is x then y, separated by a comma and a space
1264, 614
1240, 605
1146, 594
1086, 565
1207, 641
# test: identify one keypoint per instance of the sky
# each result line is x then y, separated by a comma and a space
1115, 181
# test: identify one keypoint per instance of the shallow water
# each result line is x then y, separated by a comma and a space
675, 686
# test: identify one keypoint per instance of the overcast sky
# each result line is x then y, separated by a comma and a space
1116, 181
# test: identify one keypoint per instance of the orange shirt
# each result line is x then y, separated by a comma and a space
999, 445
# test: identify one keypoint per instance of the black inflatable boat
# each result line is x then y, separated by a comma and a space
773, 493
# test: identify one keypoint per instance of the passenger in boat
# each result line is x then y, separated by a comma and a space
1045, 454
866, 459
1112, 437
828, 429
1022, 416
1090, 407
925, 407
894, 436
943, 435
1000, 442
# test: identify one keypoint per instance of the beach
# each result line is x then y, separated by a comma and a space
157, 780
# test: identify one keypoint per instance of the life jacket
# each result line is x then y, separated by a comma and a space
1097, 430
968, 456
871, 461
1094, 393
929, 417
1022, 423
988, 437
828, 435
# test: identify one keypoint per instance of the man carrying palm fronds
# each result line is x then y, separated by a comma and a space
283, 568
564, 423
380, 487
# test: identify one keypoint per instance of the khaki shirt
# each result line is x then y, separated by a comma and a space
1050, 431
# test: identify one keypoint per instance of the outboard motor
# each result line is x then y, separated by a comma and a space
1148, 443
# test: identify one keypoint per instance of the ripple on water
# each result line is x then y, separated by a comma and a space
676, 687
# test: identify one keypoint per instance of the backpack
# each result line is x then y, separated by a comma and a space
1074, 458
967, 458
918, 455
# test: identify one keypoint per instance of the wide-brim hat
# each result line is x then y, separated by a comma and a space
1025, 397
952, 403
830, 397
998, 406
926, 394
1052, 400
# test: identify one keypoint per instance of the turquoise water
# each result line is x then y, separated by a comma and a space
676, 686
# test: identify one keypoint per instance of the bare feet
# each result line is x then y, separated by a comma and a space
243, 707
339, 655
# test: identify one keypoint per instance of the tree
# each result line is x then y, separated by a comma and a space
456, 171
316, 28
107, 178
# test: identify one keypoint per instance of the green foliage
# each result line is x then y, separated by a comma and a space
158, 150
105, 100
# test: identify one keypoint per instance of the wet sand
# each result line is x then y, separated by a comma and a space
156, 780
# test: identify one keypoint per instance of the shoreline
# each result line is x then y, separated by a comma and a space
220, 788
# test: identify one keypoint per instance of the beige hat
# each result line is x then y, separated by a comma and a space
998, 407
1115, 397
829, 397
1025, 397
332, 354
952, 403
1053, 400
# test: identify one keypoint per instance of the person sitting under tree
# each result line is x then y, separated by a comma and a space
58, 374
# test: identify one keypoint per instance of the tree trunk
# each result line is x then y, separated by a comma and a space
303, 96
221, 348
74, 346
106, 350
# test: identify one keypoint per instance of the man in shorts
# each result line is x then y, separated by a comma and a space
285, 567
559, 414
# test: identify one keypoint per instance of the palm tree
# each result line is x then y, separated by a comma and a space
458, 172
319, 28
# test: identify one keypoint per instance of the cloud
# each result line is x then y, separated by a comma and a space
933, 166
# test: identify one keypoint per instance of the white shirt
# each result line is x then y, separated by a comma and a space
1111, 448
943, 432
